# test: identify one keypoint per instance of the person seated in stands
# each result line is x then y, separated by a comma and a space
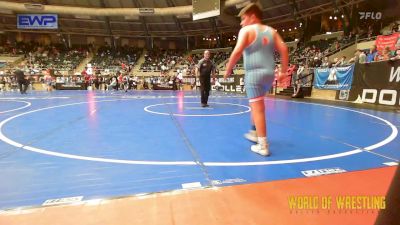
335, 61
352, 35
2, 84
113, 85
396, 54
87, 79
370, 31
126, 82
179, 78
337, 45
298, 84
325, 62
385, 55
317, 62
106, 81
48, 81
100, 80
395, 28
145, 85
356, 57
296, 76
362, 58
372, 54
341, 62
174, 83
120, 80
133, 83
95, 81
8, 83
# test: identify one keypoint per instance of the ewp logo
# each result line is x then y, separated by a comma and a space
37, 21
370, 15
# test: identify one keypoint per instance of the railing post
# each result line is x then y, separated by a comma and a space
312, 77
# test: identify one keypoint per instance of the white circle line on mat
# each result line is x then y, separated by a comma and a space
387, 140
147, 109
12, 110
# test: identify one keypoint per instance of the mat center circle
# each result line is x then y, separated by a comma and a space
196, 110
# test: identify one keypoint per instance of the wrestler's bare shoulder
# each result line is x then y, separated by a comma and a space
252, 27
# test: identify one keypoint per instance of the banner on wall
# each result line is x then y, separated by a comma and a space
392, 41
377, 83
37, 21
234, 83
336, 78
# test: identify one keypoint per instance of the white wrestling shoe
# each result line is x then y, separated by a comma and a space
260, 149
251, 136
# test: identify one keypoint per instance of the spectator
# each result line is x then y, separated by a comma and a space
356, 57
362, 58
317, 62
325, 62
296, 79
2, 84
145, 85
48, 81
396, 54
335, 61
386, 54
372, 54
341, 62
113, 84
370, 31
395, 28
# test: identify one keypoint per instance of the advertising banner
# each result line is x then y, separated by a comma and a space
336, 78
377, 83
37, 21
392, 41
235, 83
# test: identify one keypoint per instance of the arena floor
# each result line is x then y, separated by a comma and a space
151, 156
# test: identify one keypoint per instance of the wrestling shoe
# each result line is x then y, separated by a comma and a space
251, 136
260, 149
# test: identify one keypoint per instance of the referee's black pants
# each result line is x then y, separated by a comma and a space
23, 86
205, 87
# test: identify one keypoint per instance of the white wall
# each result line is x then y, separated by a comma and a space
365, 45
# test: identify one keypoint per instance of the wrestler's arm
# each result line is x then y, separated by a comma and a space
282, 49
237, 51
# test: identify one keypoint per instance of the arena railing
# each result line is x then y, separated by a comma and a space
373, 38
212, 50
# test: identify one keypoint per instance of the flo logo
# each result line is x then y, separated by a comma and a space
370, 15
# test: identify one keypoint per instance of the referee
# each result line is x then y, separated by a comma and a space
20, 77
204, 69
